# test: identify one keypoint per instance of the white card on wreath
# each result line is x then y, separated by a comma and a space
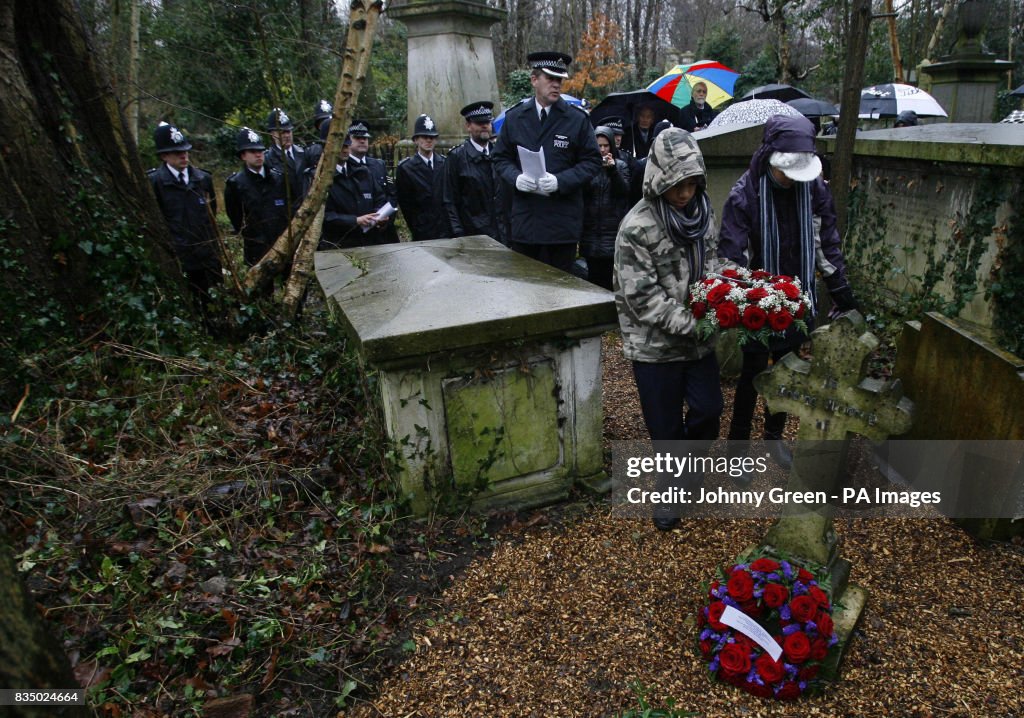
752, 629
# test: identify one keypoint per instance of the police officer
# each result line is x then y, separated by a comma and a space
186, 198
547, 211
359, 131
322, 112
419, 180
254, 198
350, 210
471, 184
286, 156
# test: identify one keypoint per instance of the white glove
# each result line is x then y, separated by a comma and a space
526, 184
548, 183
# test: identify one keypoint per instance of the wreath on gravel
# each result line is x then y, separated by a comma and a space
767, 628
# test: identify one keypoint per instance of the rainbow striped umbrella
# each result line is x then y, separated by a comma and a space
675, 85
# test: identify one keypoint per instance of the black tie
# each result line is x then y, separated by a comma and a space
543, 115
181, 180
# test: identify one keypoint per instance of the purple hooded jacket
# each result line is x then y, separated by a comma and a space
740, 238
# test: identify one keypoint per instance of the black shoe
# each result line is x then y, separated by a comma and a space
666, 517
780, 453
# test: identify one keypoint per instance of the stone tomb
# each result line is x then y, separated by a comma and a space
489, 366
833, 399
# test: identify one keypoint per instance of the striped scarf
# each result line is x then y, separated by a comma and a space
770, 235
687, 228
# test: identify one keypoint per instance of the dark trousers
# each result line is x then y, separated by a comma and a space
599, 271
754, 362
666, 388
559, 256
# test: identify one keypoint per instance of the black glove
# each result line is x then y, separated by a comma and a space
844, 300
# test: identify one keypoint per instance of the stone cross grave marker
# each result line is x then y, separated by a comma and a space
833, 399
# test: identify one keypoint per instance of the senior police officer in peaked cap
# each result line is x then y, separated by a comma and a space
187, 200
472, 198
353, 199
254, 198
420, 181
547, 212
286, 156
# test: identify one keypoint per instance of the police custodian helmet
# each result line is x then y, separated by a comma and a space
169, 138
425, 127
248, 139
279, 120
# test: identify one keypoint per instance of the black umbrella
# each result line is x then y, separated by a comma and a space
1019, 92
624, 104
785, 93
810, 107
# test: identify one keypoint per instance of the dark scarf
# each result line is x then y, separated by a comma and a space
687, 228
770, 233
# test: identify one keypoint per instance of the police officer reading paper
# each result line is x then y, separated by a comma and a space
471, 185
547, 211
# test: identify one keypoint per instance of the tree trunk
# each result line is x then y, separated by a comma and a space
842, 160
362, 24
30, 655
63, 137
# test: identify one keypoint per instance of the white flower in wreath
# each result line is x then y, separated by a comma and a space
176, 136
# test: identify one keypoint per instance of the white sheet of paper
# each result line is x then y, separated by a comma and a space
752, 629
532, 163
384, 212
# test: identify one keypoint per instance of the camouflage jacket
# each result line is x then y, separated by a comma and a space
652, 277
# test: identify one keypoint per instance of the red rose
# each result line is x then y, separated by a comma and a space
788, 692
717, 294
731, 273
728, 315
765, 565
705, 648
770, 670
751, 608
754, 317
744, 643
741, 586
775, 595
800, 311
699, 309
756, 690
797, 647
715, 611
757, 294
761, 274
819, 649
790, 290
736, 679
709, 281
803, 608
825, 625
735, 659
782, 278
808, 673
779, 321
804, 575
819, 596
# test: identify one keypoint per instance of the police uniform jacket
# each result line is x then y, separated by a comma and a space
419, 196
571, 155
379, 172
276, 159
257, 209
351, 195
189, 211
471, 192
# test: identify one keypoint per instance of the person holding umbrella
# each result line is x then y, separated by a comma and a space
780, 218
698, 114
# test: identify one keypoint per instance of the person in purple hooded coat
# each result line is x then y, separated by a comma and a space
780, 217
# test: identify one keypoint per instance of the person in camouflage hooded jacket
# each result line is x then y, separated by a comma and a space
665, 243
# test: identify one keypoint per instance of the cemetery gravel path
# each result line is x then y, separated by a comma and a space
564, 617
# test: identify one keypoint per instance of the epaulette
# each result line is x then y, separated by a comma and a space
578, 107
151, 170
404, 160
